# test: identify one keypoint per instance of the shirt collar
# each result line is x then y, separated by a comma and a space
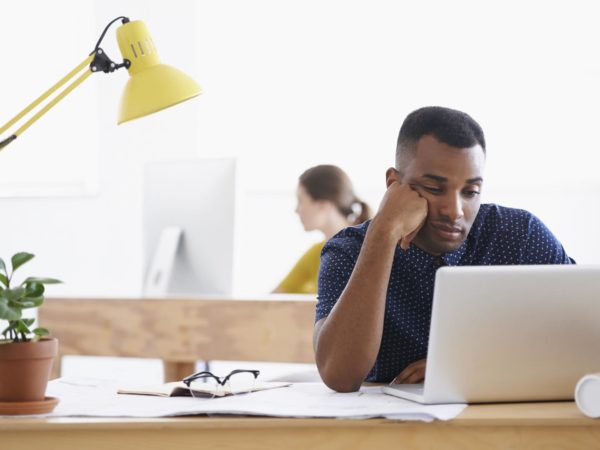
420, 260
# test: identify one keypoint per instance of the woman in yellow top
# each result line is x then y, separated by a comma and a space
326, 202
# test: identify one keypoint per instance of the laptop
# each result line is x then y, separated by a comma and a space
509, 334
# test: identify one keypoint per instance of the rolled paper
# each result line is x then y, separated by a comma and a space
587, 395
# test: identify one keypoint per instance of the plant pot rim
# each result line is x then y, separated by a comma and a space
46, 347
42, 339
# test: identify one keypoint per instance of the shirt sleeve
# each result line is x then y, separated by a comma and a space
337, 264
542, 247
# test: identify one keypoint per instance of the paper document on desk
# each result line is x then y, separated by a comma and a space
180, 389
89, 398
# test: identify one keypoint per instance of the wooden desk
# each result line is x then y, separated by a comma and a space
275, 328
509, 426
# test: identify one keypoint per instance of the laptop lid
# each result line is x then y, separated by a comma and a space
512, 333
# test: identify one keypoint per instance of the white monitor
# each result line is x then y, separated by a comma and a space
188, 219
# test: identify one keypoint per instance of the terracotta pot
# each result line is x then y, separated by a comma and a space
25, 369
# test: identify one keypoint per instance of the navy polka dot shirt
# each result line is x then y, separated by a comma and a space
499, 236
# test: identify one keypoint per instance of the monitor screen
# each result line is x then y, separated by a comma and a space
188, 220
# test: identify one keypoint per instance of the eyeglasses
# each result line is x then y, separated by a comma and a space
208, 385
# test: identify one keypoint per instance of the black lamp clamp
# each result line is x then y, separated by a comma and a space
101, 61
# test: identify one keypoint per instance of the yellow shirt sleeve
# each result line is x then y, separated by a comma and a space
302, 279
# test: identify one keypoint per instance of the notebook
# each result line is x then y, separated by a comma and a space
510, 334
179, 389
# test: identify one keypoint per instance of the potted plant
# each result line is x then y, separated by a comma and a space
26, 355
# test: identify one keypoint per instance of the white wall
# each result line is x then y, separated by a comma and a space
93, 241
292, 84
296, 83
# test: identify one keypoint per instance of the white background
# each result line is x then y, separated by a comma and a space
291, 84
58, 154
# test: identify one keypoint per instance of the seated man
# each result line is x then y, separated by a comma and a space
375, 287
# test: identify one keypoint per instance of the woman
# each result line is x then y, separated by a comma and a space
326, 202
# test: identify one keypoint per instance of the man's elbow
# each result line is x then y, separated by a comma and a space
340, 382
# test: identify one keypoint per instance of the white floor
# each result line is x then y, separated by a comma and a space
150, 371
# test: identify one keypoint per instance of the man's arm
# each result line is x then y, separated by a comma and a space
542, 247
347, 341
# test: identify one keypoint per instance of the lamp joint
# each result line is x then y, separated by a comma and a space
102, 63
7, 141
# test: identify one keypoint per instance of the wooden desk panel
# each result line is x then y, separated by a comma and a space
508, 426
182, 331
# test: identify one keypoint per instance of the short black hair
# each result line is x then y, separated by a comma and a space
449, 126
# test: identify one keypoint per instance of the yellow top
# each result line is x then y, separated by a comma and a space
302, 279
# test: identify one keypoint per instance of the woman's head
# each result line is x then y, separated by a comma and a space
325, 191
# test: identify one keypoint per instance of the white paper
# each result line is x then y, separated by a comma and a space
98, 398
213, 389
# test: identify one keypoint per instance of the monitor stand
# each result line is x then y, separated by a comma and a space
159, 272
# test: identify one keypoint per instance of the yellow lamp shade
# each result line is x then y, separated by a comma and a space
152, 86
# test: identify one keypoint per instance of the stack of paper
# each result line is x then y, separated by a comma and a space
93, 398
179, 388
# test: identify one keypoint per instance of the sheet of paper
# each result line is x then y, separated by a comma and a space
97, 398
178, 388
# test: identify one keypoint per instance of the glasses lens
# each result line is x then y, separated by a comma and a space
241, 383
205, 387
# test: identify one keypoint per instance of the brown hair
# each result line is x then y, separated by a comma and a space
328, 182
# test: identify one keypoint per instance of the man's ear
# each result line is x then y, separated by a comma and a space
391, 175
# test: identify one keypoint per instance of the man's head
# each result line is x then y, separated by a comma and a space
441, 155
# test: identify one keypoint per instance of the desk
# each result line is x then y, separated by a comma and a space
180, 331
508, 426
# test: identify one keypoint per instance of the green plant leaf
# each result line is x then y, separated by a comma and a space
41, 280
7, 311
19, 259
30, 302
22, 328
4, 279
41, 332
3, 266
28, 322
34, 289
14, 294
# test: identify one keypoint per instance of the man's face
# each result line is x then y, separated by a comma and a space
450, 179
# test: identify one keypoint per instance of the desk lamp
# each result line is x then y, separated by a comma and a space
152, 86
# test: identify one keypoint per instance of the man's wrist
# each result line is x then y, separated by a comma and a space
385, 230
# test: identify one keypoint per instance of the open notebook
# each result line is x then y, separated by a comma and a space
179, 389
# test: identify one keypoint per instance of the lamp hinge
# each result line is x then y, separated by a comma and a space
102, 63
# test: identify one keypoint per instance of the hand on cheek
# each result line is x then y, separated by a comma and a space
402, 212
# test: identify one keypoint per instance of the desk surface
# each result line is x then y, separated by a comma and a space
211, 327
526, 425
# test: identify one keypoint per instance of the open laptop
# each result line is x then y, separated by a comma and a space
509, 334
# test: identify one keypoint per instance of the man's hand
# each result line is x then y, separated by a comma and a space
414, 373
402, 212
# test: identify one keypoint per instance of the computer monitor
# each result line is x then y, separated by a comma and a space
188, 219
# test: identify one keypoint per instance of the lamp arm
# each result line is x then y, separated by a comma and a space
97, 61
43, 97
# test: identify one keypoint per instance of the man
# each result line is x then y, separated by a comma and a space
375, 287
